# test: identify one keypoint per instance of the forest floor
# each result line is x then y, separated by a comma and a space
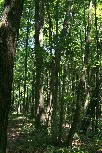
14, 134
23, 139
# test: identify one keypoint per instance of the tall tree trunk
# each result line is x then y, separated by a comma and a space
56, 69
98, 82
55, 83
25, 66
62, 105
9, 27
94, 98
37, 57
81, 85
39, 22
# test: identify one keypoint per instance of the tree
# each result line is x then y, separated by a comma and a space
58, 66
91, 113
39, 23
9, 28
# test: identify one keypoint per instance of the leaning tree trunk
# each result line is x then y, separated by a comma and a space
81, 86
9, 26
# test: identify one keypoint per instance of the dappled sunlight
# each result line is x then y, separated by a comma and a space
23, 137
51, 91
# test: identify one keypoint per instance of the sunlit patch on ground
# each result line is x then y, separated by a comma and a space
22, 138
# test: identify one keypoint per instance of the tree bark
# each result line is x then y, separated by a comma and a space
39, 23
9, 27
81, 85
94, 98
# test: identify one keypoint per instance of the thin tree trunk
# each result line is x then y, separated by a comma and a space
55, 84
25, 66
56, 68
98, 82
62, 105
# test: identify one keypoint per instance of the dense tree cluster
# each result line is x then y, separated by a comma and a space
57, 68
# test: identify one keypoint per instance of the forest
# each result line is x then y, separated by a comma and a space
50, 76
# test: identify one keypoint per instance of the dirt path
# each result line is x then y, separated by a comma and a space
20, 137
14, 134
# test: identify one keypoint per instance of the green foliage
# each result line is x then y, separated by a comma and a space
30, 140
1, 7
64, 50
